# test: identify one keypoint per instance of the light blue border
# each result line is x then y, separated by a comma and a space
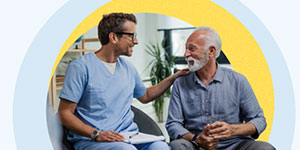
29, 112
282, 132
30, 126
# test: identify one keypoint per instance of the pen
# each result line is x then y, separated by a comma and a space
133, 135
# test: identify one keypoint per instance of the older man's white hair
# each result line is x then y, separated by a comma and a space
212, 38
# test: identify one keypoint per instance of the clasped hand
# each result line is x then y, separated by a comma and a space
212, 133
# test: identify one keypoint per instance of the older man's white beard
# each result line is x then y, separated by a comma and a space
198, 64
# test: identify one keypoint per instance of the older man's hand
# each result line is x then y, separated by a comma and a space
220, 130
205, 141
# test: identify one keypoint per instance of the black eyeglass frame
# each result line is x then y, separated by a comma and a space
133, 35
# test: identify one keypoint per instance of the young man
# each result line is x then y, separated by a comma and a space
99, 88
213, 107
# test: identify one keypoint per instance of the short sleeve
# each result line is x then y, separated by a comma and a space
139, 87
74, 82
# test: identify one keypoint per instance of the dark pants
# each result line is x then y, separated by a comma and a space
182, 144
255, 145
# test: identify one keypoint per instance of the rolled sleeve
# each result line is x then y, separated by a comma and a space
251, 110
260, 125
175, 121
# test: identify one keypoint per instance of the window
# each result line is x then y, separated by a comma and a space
174, 43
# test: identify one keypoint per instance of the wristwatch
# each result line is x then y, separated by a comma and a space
94, 134
194, 138
194, 141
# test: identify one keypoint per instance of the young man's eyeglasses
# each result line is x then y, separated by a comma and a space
133, 35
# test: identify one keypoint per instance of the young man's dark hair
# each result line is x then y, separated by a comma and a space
112, 23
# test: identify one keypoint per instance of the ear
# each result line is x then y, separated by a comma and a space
212, 51
113, 38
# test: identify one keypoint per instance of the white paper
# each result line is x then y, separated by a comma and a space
139, 138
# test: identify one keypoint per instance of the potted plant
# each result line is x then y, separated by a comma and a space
161, 67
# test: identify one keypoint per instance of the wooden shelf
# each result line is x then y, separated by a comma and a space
59, 82
59, 86
91, 40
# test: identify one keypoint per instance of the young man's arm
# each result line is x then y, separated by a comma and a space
157, 90
70, 121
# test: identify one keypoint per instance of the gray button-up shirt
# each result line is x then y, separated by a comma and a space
228, 97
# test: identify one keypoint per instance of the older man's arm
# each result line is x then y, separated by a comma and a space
223, 130
175, 121
251, 113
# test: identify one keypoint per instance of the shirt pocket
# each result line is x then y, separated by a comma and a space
226, 104
95, 99
194, 106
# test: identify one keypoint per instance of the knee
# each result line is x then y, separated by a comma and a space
176, 144
159, 145
264, 146
124, 146
181, 144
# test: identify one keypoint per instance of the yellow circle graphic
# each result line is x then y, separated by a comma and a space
239, 46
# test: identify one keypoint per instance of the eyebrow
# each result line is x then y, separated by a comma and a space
193, 45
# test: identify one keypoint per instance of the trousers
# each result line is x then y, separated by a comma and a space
92, 145
182, 144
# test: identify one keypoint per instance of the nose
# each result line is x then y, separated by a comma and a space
187, 53
135, 41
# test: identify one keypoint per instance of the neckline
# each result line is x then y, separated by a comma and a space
106, 71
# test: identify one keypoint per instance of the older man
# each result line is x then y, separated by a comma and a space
213, 107
99, 88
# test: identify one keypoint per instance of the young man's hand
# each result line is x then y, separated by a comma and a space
181, 72
109, 136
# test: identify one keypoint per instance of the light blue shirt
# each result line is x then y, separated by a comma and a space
103, 99
228, 97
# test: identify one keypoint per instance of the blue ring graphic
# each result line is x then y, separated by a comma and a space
29, 112
30, 125
282, 132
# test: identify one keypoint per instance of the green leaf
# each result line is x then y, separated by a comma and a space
161, 66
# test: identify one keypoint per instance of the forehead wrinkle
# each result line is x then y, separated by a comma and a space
129, 26
197, 38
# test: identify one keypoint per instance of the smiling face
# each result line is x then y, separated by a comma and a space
196, 53
126, 42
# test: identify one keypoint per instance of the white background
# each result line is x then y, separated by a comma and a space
282, 19
22, 20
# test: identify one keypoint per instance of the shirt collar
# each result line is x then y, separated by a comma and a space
218, 76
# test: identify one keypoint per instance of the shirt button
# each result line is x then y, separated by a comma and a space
206, 100
207, 114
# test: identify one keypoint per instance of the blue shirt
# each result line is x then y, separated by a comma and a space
103, 99
228, 97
